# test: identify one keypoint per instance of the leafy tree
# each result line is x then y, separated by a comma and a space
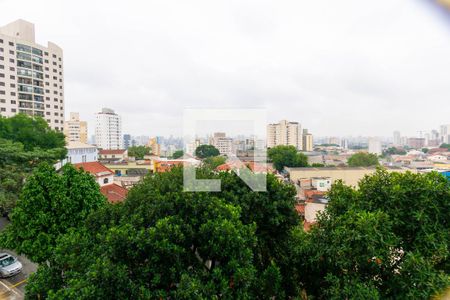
445, 146
287, 156
362, 159
317, 165
425, 150
204, 151
31, 132
178, 154
388, 239
163, 242
49, 205
24, 143
214, 161
394, 151
139, 152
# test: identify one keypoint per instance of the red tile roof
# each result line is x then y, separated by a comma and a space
95, 168
115, 193
109, 152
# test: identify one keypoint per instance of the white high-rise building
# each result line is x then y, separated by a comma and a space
108, 130
397, 138
31, 75
375, 146
445, 133
285, 133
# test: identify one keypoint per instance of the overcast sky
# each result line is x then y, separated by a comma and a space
347, 67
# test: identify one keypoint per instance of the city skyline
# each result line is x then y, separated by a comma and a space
368, 74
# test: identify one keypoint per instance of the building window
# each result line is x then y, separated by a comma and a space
11, 60
11, 43
12, 69
11, 52
13, 101
13, 110
105, 181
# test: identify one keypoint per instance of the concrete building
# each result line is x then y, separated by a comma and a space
155, 146
349, 175
445, 133
116, 155
75, 130
222, 143
397, 141
285, 133
308, 143
108, 130
127, 142
375, 146
416, 143
78, 152
31, 75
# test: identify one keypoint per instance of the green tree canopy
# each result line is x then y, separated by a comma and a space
362, 159
163, 242
31, 132
388, 239
286, 156
24, 143
139, 152
178, 154
49, 205
394, 151
204, 151
214, 161
445, 146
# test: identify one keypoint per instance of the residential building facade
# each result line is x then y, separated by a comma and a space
108, 130
75, 130
285, 133
31, 75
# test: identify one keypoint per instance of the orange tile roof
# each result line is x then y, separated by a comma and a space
107, 152
115, 193
95, 168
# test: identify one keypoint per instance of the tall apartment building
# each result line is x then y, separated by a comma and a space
445, 133
222, 143
308, 142
285, 133
375, 146
75, 130
108, 130
31, 75
397, 141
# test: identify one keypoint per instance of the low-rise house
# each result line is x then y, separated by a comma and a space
105, 178
113, 155
78, 152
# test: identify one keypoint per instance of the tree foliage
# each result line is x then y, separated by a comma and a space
204, 151
362, 159
286, 156
387, 240
394, 151
178, 154
49, 205
166, 243
31, 132
24, 143
214, 161
139, 152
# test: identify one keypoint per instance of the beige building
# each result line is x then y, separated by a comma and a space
308, 142
222, 143
75, 130
31, 75
350, 176
285, 133
154, 146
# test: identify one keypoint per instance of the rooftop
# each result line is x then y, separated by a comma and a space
95, 168
115, 193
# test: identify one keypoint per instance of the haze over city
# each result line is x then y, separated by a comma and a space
339, 68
